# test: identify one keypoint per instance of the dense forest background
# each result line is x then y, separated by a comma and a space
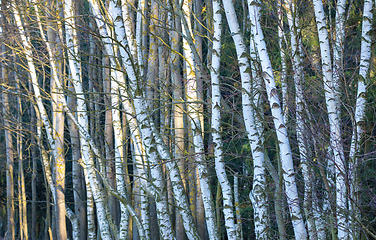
187, 119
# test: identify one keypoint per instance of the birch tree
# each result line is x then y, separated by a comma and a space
228, 208
335, 134
10, 234
279, 124
358, 128
256, 195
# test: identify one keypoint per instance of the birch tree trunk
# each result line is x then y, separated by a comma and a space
279, 124
301, 131
228, 208
281, 40
119, 158
59, 166
257, 194
338, 50
360, 110
10, 234
34, 145
255, 90
239, 230
334, 123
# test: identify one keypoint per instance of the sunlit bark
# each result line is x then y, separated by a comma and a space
21, 177
58, 136
9, 157
77, 174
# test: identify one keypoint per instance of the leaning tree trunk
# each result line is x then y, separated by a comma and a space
279, 124
75, 70
257, 194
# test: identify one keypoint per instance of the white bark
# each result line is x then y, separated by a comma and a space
228, 208
279, 124
334, 123
127, 20
338, 49
77, 175
239, 231
257, 195
21, 178
360, 109
281, 38
91, 228
301, 131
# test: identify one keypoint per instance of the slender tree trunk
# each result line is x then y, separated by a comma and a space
21, 178
33, 177
281, 40
195, 116
256, 195
10, 234
109, 135
335, 132
119, 158
360, 110
254, 89
77, 174
59, 166
239, 228
338, 50
301, 131
279, 124
228, 208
